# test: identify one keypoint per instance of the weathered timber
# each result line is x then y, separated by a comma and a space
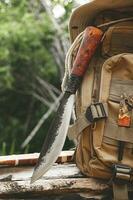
50, 187
31, 159
60, 180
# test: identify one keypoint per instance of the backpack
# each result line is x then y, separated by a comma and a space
103, 127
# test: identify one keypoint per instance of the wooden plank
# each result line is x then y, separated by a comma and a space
60, 179
31, 159
24, 173
51, 187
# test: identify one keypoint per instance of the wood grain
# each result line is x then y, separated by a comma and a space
31, 159
91, 39
61, 179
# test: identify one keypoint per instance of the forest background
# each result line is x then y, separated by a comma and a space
34, 40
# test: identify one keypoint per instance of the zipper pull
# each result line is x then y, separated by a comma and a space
125, 112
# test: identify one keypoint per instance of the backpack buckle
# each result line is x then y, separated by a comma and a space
121, 180
96, 112
121, 173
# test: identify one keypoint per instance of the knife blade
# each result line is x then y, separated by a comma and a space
53, 144
55, 139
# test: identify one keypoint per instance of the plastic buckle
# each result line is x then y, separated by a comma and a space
96, 112
121, 173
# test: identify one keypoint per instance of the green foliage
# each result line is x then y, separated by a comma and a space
25, 44
26, 38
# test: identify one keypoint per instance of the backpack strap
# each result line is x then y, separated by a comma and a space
94, 113
120, 181
120, 191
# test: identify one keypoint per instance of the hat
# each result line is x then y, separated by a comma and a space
83, 15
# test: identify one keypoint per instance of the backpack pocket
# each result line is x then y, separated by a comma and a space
116, 81
113, 133
98, 146
118, 39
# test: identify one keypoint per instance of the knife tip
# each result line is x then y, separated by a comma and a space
34, 178
32, 181
37, 174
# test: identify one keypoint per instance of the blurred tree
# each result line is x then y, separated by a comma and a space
32, 51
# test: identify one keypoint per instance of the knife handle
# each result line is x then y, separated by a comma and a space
91, 39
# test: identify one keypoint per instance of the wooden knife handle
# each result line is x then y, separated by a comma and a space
91, 39
90, 42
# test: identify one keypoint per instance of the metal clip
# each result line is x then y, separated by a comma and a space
121, 173
96, 112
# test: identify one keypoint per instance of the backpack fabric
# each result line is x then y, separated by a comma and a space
109, 80
105, 148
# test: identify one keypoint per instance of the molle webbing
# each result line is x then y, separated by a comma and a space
94, 113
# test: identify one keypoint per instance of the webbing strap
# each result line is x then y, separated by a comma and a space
80, 124
94, 112
120, 191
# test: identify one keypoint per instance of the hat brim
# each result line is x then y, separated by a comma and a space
83, 15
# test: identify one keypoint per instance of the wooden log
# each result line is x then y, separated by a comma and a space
51, 187
59, 180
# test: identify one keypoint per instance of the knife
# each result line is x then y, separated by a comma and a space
56, 136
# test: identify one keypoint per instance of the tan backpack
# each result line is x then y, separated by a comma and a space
104, 104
